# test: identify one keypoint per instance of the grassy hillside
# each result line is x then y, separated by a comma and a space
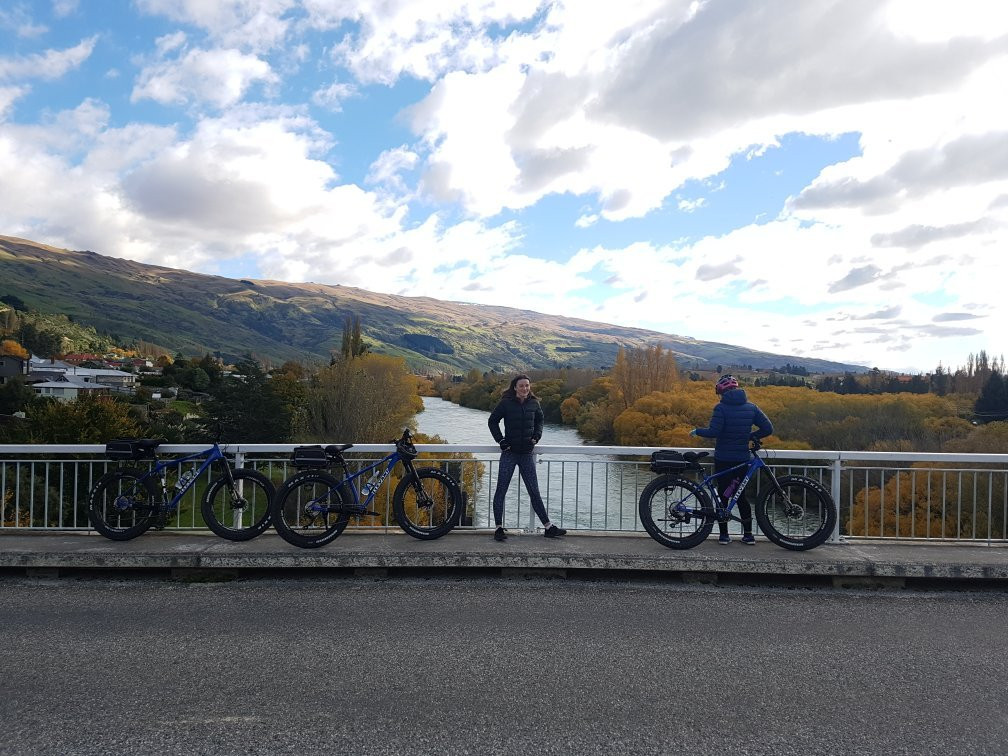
196, 314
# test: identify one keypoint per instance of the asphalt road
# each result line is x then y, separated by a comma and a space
496, 666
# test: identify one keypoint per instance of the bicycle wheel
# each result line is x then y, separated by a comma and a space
310, 509
239, 512
428, 504
123, 504
799, 516
676, 512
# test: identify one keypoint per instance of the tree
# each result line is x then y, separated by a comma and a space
15, 395
248, 408
992, 404
638, 372
88, 419
11, 348
352, 344
367, 399
197, 379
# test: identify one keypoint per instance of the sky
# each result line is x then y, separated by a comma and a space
824, 179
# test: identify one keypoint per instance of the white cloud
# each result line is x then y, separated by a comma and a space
387, 170
17, 18
218, 77
421, 38
8, 96
64, 8
332, 96
255, 24
877, 257
52, 64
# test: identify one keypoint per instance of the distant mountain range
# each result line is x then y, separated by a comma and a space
198, 314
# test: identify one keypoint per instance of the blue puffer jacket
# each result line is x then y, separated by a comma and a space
731, 425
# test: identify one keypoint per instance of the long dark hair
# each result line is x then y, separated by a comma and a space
510, 393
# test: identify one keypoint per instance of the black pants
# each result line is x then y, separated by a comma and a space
526, 466
730, 482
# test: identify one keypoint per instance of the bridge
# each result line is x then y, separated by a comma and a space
905, 519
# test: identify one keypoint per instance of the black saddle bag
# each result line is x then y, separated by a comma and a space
669, 461
309, 457
129, 449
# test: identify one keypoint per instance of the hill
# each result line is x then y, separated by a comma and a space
197, 314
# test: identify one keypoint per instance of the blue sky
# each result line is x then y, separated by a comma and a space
818, 179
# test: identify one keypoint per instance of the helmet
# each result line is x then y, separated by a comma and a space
725, 383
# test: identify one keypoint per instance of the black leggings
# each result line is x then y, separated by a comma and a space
526, 466
726, 482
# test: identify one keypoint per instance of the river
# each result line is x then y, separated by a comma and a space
463, 425
580, 490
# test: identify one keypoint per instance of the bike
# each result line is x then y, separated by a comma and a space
795, 512
312, 507
128, 501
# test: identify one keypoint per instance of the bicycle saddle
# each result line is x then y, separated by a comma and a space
334, 450
695, 457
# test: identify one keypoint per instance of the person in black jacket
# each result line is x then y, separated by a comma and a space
523, 426
731, 427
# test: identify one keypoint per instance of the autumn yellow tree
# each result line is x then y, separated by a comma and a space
11, 348
928, 501
365, 399
639, 372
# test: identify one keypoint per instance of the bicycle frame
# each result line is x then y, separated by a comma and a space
210, 457
349, 478
321, 504
723, 510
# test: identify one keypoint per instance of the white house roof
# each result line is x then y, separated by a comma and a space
39, 365
70, 382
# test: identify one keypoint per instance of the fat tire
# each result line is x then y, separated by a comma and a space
109, 520
814, 498
257, 495
689, 493
288, 506
443, 515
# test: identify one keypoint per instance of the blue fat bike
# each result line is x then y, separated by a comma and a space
793, 511
129, 500
313, 506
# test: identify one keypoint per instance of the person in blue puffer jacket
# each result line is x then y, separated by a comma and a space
731, 427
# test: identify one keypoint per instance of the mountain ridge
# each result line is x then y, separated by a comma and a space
198, 313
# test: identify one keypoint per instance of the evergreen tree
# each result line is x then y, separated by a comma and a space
992, 404
248, 409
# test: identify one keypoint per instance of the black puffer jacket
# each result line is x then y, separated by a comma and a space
523, 423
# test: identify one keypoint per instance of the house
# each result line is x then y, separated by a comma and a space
76, 358
51, 370
66, 388
11, 366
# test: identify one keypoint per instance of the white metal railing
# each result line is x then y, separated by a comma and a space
960, 497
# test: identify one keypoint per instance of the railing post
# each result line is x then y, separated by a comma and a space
236, 514
835, 492
530, 528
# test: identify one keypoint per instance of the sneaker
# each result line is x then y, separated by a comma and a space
749, 539
724, 540
500, 534
554, 532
